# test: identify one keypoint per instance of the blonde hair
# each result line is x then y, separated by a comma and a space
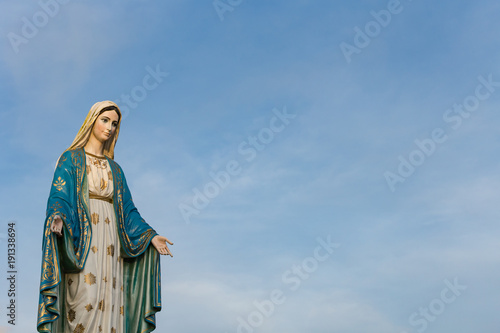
85, 131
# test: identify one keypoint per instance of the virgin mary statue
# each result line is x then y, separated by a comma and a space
100, 259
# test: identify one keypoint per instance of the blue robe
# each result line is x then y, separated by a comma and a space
141, 270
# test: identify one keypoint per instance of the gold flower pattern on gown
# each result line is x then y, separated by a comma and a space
90, 279
79, 328
99, 162
111, 250
104, 184
71, 315
95, 218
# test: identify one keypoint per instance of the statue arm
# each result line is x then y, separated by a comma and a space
60, 210
139, 230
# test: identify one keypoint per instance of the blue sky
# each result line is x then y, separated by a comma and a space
416, 253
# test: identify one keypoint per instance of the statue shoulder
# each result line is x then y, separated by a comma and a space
114, 164
117, 169
70, 158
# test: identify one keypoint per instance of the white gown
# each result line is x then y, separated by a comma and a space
94, 299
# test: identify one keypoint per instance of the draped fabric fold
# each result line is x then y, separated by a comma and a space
147, 291
69, 199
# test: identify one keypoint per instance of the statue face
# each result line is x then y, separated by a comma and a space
105, 126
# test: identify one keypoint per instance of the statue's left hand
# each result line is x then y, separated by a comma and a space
160, 243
